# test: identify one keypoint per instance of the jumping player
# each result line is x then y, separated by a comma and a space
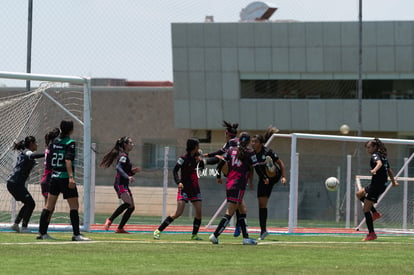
273, 167
124, 177
240, 159
62, 155
380, 170
188, 188
26, 160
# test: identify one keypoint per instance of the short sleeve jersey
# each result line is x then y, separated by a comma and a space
382, 174
61, 149
261, 157
239, 169
188, 165
125, 164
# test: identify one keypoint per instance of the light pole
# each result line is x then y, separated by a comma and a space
359, 132
29, 42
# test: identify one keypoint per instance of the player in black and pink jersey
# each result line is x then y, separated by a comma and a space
124, 177
188, 188
214, 157
231, 141
240, 160
47, 174
273, 167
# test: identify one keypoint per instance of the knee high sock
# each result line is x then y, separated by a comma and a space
126, 217
243, 225
44, 221
237, 217
74, 218
29, 206
222, 225
369, 222
19, 216
262, 219
165, 223
118, 211
196, 225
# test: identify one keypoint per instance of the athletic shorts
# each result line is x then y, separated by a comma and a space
264, 190
373, 192
235, 195
18, 191
121, 189
184, 196
59, 185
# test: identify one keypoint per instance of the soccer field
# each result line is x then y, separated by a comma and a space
175, 253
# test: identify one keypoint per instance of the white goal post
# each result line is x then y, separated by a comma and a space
85, 122
313, 158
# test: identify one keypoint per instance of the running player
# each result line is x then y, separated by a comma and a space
273, 167
380, 170
47, 174
124, 177
240, 159
62, 155
26, 160
188, 188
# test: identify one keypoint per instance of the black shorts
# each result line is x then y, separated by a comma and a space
58, 185
265, 190
18, 191
374, 191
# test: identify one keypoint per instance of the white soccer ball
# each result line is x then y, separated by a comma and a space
331, 184
344, 129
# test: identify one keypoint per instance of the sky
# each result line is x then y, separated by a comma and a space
131, 39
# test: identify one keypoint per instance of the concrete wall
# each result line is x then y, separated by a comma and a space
210, 59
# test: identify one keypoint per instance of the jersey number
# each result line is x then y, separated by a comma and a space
57, 159
235, 161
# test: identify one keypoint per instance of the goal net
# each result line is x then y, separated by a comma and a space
34, 113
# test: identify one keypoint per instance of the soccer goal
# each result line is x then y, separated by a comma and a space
312, 158
35, 113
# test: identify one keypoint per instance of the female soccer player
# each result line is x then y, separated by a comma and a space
16, 181
380, 170
214, 157
240, 160
268, 162
62, 155
47, 174
124, 177
188, 188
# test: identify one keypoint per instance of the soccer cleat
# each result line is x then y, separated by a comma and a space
108, 223
237, 231
79, 238
122, 231
213, 239
25, 230
249, 241
15, 227
157, 234
44, 237
269, 164
370, 237
263, 235
376, 216
196, 238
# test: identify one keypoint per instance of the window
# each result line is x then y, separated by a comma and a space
153, 155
